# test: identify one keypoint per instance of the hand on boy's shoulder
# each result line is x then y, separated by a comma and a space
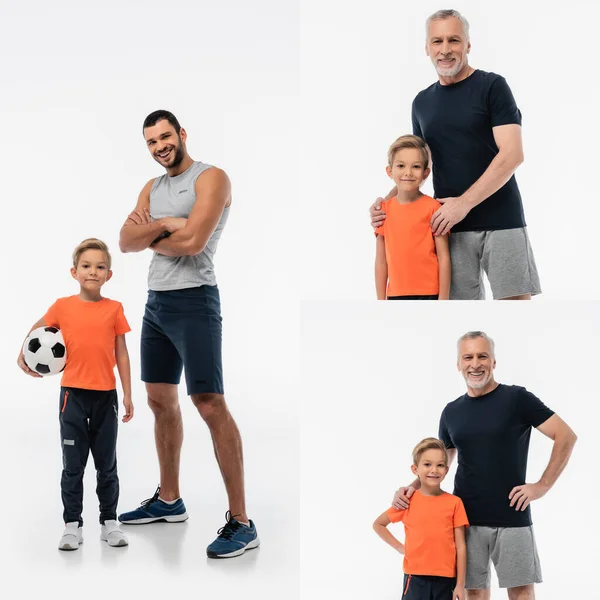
402, 497
377, 213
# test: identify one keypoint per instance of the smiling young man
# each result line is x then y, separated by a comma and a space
489, 428
471, 123
180, 216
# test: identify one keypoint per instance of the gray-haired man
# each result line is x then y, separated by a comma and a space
489, 428
472, 125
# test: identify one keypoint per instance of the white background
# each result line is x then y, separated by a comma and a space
376, 381
78, 80
362, 66
298, 105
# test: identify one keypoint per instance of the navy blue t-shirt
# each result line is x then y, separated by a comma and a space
491, 434
456, 122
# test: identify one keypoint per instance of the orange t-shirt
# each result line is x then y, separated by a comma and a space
410, 248
429, 523
89, 330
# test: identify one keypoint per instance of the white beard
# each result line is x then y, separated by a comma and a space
449, 71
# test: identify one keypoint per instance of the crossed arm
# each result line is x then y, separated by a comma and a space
187, 236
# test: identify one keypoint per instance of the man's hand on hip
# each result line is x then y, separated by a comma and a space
522, 495
377, 215
402, 497
452, 211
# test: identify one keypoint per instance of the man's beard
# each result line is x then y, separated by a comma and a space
179, 154
449, 71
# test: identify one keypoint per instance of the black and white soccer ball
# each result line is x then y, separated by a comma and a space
44, 351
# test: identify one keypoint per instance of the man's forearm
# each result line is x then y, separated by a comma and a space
179, 243
500, 170
561, 452
134, 238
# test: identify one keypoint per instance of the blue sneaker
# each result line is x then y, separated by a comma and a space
234, 539
153, 510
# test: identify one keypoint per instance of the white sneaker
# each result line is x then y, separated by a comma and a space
111, 533
72, 537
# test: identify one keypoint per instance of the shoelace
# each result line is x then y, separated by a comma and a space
146, 503
228, 530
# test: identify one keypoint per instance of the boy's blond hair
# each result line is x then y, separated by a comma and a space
91, 244
409, 141
428, 444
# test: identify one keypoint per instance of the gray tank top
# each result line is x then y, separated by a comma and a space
174, 197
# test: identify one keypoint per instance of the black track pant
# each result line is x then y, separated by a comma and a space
428, 587
88, 421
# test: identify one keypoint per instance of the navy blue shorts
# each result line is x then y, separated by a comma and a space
428, 587
181, 329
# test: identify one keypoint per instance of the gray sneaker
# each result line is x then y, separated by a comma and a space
112, 534
72, 537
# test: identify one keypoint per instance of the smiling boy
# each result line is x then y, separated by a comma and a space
435, 554
410, 264
94, 331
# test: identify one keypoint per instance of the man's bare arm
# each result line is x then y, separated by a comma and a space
500, 170
213, 194
564, 440
509, 140
139, 231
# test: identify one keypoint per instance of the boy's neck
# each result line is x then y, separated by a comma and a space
428, 490
408, 197
90, 297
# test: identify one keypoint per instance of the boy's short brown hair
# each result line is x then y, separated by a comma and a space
91, 244
409, 141
428, 444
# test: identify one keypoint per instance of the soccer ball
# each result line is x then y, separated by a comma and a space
44, 351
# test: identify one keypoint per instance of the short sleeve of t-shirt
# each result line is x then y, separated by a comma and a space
531, 409
53, 314
443, 431
503, 108
460, 515
395, 514
121, 324
415, 122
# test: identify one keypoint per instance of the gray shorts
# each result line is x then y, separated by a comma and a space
505, 256
511, 549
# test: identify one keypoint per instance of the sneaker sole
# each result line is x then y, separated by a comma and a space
167, 519
120, 544
69, 548
255, 543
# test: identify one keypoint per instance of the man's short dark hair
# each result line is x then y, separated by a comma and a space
162, 115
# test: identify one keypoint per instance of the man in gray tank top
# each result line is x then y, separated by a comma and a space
180, 216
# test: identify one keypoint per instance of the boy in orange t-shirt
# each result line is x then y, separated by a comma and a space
410, 262
435, 552
94, 331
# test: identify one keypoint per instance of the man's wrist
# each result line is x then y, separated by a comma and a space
543, 486
468, 200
